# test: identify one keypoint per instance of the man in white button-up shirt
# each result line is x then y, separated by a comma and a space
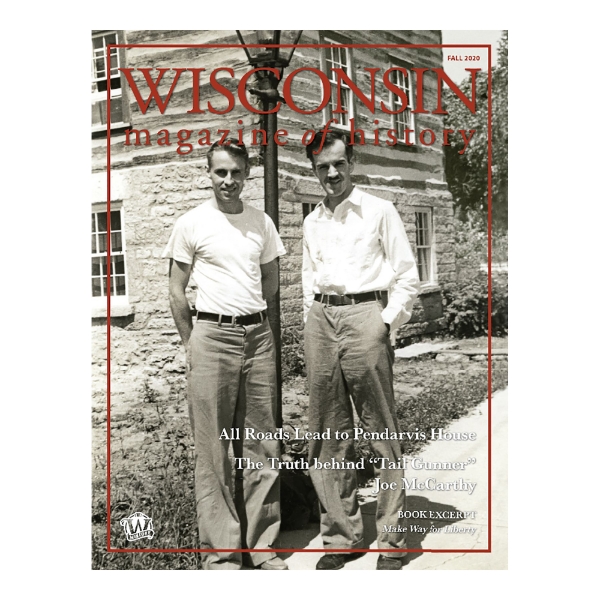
360, 282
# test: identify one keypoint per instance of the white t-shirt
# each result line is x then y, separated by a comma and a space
225, 251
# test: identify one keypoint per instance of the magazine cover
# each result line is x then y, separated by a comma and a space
299, 300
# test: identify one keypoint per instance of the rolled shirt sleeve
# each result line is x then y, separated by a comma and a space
273, 246
179, 247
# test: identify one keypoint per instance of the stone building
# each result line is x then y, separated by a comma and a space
156, 177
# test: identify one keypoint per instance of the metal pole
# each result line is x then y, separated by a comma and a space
272, 209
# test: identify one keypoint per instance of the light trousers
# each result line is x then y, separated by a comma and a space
232, 384
348, 354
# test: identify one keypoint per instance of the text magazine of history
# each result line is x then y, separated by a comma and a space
299, 295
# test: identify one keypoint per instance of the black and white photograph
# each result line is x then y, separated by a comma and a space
299, 294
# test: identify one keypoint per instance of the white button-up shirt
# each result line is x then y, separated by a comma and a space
361, 247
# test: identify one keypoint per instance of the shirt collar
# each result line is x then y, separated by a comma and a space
355, 198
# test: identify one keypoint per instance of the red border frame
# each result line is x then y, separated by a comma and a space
488, 47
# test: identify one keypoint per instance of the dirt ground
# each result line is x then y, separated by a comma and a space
152, 449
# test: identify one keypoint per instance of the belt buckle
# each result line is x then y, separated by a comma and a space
220, 322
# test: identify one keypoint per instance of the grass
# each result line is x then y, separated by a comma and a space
444, 394
152, 471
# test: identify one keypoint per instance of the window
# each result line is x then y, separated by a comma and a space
405, 119
307, 208
337, 57
118, 278
424, 232
101, 73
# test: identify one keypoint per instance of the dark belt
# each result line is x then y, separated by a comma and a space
335, 300
258, 317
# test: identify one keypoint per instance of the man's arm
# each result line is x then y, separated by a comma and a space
405, 287
269, 278
179, 276
307, 277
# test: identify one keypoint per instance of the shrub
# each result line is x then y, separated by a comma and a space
470, 242
471, 246
466, 306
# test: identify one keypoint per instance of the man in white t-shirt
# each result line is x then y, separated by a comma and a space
231, 250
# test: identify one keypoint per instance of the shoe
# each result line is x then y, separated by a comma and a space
385, 563
273, 564
332, 562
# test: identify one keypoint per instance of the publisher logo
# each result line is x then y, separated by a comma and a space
137, 526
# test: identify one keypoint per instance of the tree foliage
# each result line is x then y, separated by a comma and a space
467, 174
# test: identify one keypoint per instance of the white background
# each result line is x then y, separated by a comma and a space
46, 357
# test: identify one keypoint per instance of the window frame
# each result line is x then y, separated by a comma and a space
307, 208
428, 247
100, 302
99, 130
393, 101
328, 113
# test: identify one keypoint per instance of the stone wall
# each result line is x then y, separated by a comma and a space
145, 346
155, 185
